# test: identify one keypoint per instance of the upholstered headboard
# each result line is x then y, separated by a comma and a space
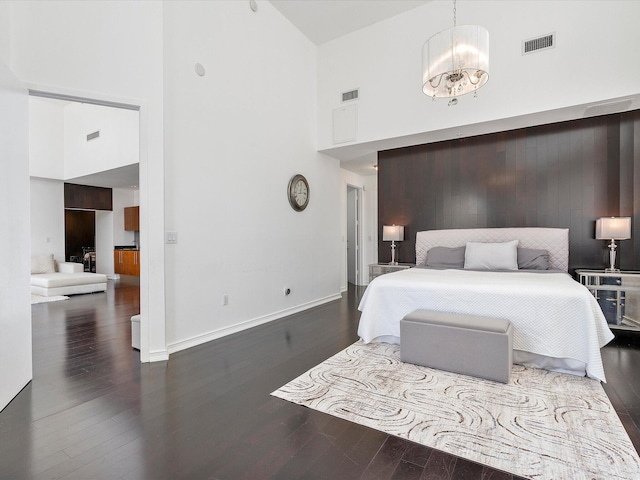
555, 240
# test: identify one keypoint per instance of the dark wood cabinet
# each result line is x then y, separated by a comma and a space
127, 262
87, 197
132, 218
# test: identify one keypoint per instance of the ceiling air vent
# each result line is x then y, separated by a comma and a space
540, 43
350, 95
93, 135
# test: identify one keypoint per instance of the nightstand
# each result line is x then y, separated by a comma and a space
618, 294
377, 269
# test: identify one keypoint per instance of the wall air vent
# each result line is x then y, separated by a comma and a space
350, 95
93, 135
540, 43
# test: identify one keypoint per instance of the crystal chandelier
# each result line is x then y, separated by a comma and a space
455, 61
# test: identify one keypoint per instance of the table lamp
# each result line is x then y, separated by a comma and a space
613, 228
393, 234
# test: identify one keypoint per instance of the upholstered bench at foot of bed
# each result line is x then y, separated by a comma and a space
459, 343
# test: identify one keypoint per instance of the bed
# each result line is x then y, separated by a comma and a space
558, 324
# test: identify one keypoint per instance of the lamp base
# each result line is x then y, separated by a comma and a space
611, 270
393, 253
612, 257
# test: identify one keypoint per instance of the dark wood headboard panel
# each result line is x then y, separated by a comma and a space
563, 175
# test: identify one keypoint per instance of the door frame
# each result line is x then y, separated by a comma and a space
152, 264
358, 236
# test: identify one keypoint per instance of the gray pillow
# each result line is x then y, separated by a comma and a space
532, 259
445, 257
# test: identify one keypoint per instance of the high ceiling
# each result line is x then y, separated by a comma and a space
123, 177
325, 20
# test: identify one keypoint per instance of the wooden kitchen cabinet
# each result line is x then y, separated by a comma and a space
127, 262
132, 218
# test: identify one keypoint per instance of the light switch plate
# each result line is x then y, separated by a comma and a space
172, 237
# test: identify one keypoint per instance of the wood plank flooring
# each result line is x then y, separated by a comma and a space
93, 411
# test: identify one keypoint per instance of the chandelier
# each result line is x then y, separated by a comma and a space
455, 61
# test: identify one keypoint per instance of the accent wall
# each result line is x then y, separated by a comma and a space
563, 175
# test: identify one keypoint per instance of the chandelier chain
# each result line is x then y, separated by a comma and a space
454, 13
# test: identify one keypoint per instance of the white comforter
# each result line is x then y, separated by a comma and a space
552, 314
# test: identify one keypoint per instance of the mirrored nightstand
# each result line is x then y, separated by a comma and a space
618, 294
377, 269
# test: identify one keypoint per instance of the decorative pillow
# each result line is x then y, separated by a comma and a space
533, 259
445, 257
43, 264
491, 256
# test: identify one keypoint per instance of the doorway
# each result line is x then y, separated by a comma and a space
92, 143
80, 237
353, 234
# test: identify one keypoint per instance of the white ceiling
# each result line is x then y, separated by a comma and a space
123, 177
325, 20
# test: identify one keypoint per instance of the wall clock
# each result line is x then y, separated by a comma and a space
298, 192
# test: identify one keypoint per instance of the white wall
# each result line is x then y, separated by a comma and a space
104, 242
122, 197
116, 146
5, 32
233, 139
368, 225
15, 308
110, 51
46, 139
384, 61
47, 217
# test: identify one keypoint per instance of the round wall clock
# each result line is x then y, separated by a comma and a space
298, 192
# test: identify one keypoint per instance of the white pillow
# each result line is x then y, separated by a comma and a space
491, 256
43, 264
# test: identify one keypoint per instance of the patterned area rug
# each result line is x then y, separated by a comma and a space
41, 299
542, 425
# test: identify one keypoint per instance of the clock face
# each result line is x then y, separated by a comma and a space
298, 193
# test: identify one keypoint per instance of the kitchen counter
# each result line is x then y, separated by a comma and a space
126, 247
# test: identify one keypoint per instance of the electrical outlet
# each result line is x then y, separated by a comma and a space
225, 299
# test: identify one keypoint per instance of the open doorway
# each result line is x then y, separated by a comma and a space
94, 146
80, 237
354, 195
89, 144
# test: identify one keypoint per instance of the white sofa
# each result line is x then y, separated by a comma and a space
49, 278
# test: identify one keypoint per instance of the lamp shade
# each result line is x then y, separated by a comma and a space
455, 61
613, 228
393, 233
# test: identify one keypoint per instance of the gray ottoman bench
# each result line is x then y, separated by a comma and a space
459, 343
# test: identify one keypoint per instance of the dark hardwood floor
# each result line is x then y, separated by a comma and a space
93, 411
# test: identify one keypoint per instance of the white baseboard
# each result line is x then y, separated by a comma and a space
158, 356
238, 327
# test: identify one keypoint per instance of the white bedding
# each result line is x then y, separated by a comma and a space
552, 315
